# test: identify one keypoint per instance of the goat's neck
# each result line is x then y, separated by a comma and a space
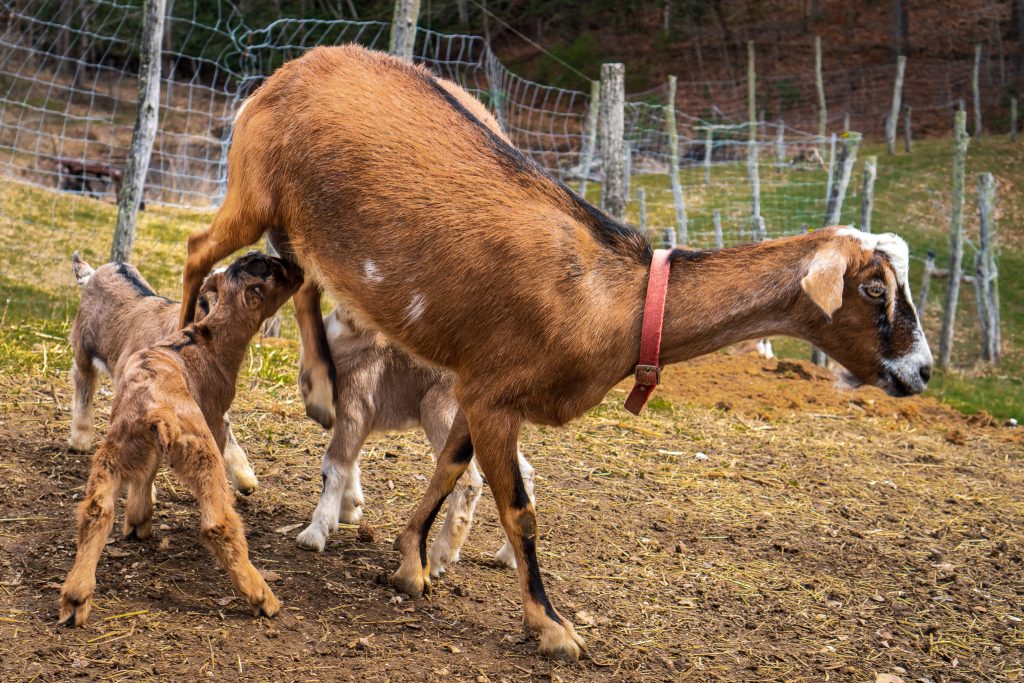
223, 356
722, 297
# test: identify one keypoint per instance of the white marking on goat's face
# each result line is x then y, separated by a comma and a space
905, 359
371, 272
416, 307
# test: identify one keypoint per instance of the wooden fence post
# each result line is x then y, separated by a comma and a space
780, 146
590, 140
956, 238
831, 165
844, 169
144, 132
926, 283
985, 270
892, 123
867, 192
819, 84
613, 148
403, 28
976, 91
907, 130
641, 207
719, 242
673, 156
709, 146
846, 122
837, 193
628, 170
757, 227
1013, 119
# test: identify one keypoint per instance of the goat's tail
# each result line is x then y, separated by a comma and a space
165, 427
82, 270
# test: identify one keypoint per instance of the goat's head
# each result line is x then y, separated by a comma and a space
254, 286
865, 317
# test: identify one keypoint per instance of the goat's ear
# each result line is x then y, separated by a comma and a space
211, 286
823, 282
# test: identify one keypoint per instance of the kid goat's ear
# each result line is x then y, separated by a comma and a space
823, 282
211, 286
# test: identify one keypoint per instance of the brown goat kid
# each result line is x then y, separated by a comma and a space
435, 231
119, 314
170, 404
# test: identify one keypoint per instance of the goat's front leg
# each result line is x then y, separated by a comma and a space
95, 520
83, 377
317, 373
240, 472
494, 439
197, 461
342, 493
413, 576
506, 556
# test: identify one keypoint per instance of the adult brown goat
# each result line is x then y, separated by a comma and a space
435, 231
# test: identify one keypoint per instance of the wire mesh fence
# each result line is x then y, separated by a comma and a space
68, 94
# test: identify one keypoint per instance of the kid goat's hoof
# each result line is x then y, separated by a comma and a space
268, 607
80, 443
312, 538
74, 611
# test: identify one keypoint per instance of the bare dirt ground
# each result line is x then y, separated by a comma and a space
821, 535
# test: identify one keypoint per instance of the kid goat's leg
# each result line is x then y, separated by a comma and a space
83, 376
494, 439
138, 513
95, 520
342, 493
413, 576
198, 463
316, 366
240, 472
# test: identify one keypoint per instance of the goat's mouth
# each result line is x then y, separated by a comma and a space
901, 384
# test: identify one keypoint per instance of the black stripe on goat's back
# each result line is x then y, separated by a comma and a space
138, 284
525, 170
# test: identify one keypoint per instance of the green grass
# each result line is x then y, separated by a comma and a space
40, 229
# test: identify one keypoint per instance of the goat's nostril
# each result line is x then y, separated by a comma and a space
926, 373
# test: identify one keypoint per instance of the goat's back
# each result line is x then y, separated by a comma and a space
119, 314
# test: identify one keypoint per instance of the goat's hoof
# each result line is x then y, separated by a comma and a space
268, 606
312, 538
80, 443
506, 557
559, 641
140, 531
351, 515
413, 583
440, 558
74, 610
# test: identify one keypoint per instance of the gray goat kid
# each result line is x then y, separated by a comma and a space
380, 388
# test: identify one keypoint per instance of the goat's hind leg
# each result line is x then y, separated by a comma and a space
506, 556
198, 462
413, 576
95, 520
138, 513
83, 377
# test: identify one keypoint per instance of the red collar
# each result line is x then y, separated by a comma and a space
648, 372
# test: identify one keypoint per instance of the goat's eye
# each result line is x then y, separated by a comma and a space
875, 290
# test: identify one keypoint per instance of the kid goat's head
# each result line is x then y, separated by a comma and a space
255, 286
865, 316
